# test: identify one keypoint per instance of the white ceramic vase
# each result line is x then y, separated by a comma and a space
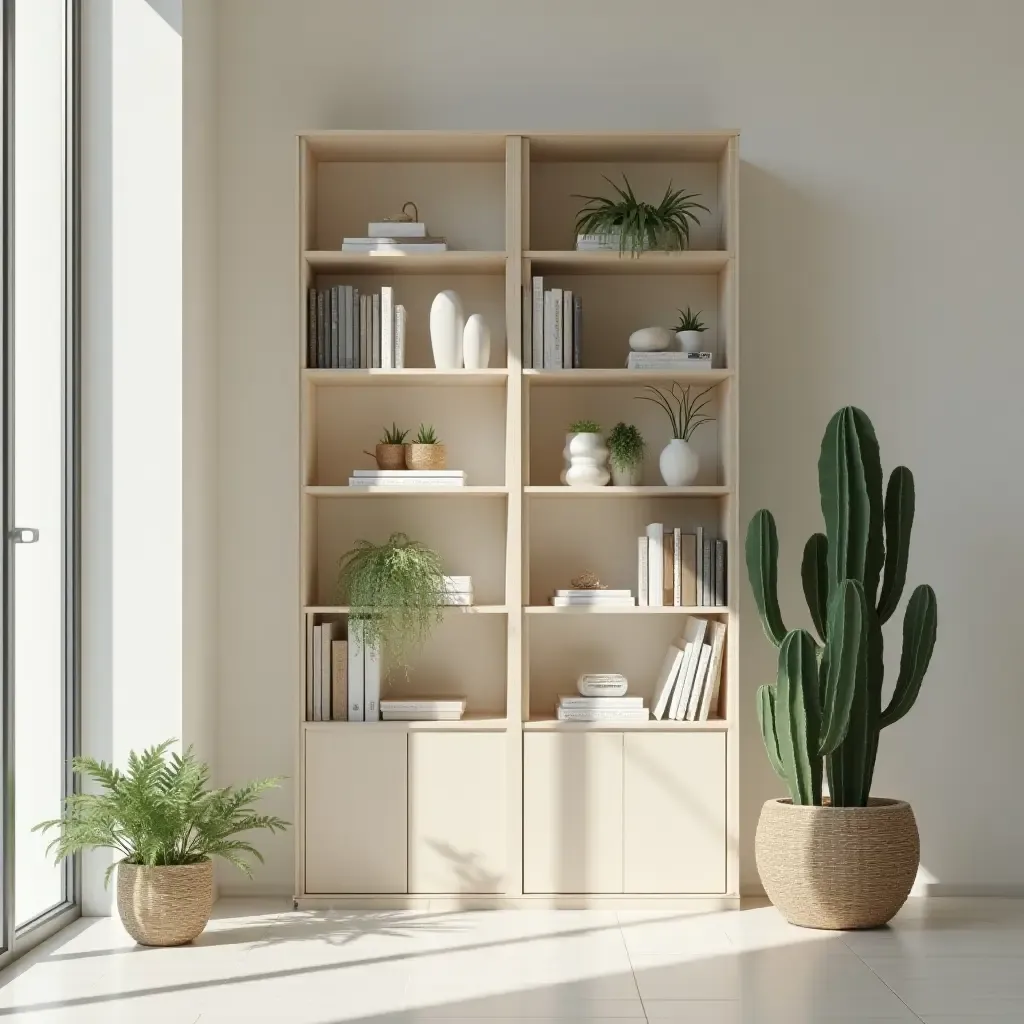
650, 339
446, 329
587, 461
627, 476
678, 463
476, 343
690, 340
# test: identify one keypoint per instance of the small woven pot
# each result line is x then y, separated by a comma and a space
425, 456
837, 867
390, 456
165, 906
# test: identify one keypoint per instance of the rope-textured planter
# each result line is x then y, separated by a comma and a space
425, 456
165, 906
390, 456
837, 867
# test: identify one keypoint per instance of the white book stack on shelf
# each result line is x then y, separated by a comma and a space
601, 698
415, 478
407, 237
593, 599
423, 709
459, 590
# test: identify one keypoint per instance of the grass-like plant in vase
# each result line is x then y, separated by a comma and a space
390, 450
425, 451
678, 462
636, 225
689, 329
586, 457
396, 590
626, 449
165, 824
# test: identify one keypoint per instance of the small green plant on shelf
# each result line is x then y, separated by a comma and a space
584, 427
689, 321
685, 411
392, 435
397, 589
639, 225
626, 446
426, 435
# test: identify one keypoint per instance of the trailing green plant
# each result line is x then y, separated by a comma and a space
160, 811
826, 704
396, 590
689, 321
685, 411
584, 427
392, 435
640, 225
426, 435
626, 446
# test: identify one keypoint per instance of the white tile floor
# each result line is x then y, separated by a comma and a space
949, 961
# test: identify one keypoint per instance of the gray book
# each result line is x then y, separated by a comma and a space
335, 316
321, 329
375, 334
720, 574
344, 342
311, 360
709, 573
353, 326
577, 332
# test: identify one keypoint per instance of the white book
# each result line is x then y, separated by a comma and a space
588, 593
383, 245
677, 567
326, 666
354, 320
309, 667
396, 229
422, 716
458, 600
400, 325
387, 325
574, 700
642, 571
537, 324
365, 339
374, 319
677, 702
709, 698
423, 704
356, 658
674, 358
387, 352
318, 679
567, 330
364, 301
700, 566
526, 330
362, 481
689, 713
655, 566
694, 634
584, 602
666, 680
411, 474
553, 329
345, 318
371, 684
592, 715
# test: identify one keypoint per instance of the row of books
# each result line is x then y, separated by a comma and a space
552, 328
342, 675
415, 478
593, 598
406, 237
575, 708
676, 569
688, 685
346, 330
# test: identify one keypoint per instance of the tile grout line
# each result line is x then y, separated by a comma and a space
629, 959
911, 1011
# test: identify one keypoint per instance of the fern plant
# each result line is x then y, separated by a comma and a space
160, 812
685, 412
626, 445
584, 427
638, 224
426, 435
393, 435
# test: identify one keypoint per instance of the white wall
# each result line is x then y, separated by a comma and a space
881, 225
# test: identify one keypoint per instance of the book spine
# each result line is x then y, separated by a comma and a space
555, 330
387, 323
677, 567
700, 567
375, 320
311, 360
537, 323
655, 566
592, 715
309, 668
567, 330
709, 572
699, 682
363, 302
339, 680
680, 687
400, 321
601, 703
318, 678
371, 684
337, 341
668, 570
577, 332
355, 673
321, 330
720, 574
354, 327
326, 665
355, 356
526, 332
642, 571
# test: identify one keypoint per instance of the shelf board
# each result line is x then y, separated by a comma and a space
563, 491
615, 147
691, 261
474, 722
409, 377
404, 492
344, 609
619, 378
331, 261
551, 724
549, 609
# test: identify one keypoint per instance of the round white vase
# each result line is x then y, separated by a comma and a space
588, 461
627, 476
650, 339
446, 328
476, 343
690, 340
678, 463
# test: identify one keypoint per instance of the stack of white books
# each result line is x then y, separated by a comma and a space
593, 599
409, 237
459, 591
691, 362
576, 708
407, 478
423, 709
690, 680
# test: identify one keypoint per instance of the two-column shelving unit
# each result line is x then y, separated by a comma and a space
509, 806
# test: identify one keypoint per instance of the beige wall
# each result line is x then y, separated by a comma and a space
881, 226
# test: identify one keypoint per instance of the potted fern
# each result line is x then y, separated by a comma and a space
586, 457
630, 223
626, 455
166, 825
425, 451
848, 860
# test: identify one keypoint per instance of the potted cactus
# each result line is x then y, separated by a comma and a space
847, 860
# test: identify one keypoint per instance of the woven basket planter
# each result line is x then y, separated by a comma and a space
390, 456
425, 456
165, 906
837, 867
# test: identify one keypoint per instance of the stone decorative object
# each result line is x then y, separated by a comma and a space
651, 339
602, 684
587, 459
446, 330
679, 463
476, 343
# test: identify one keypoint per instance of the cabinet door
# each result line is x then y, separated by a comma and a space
457, 812
674, 826
356, 811
572, 812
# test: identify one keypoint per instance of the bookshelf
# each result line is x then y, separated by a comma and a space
509, 807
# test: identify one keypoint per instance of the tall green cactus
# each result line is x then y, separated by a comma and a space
825, 707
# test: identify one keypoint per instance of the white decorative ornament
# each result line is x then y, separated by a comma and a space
587, 459
476, 343
678, 463
690, 340
602, 684
446, 327
651, 339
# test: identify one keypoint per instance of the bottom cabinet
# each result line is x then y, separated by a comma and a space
674, 821
356, 839
457, 812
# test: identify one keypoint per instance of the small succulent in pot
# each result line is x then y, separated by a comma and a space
425, 451
689, 329
390, 450
626, 446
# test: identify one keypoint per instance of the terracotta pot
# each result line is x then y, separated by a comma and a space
165, 906
390, 456
425, 456
837, 867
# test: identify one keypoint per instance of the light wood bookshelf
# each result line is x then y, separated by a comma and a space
509, 807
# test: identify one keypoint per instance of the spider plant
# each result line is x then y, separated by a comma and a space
685, 412
689, 321
392, 435
426, 435
584, 427
638, 224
